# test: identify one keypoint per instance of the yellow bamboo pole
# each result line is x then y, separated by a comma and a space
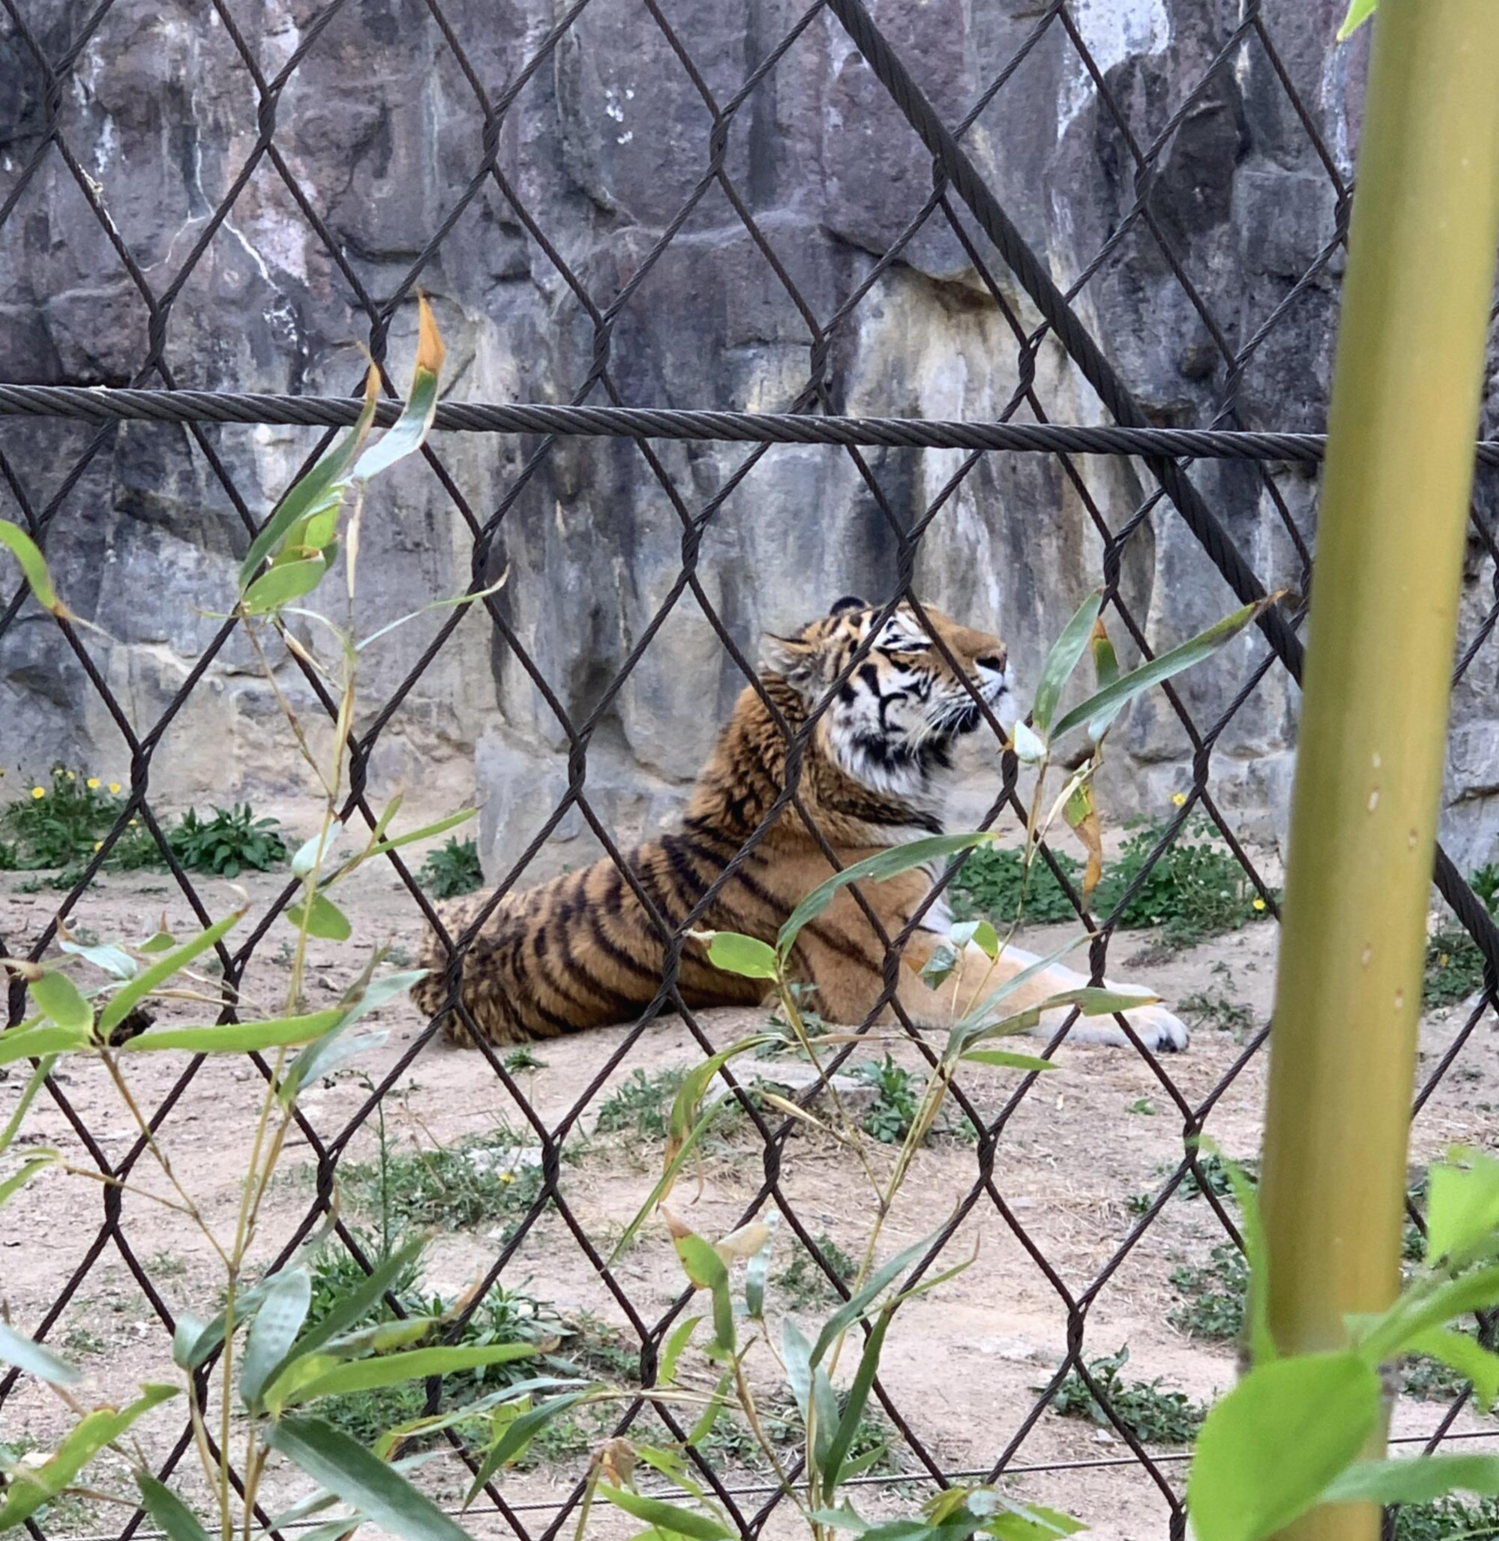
1380, 650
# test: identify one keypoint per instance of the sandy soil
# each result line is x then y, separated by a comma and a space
962, 1364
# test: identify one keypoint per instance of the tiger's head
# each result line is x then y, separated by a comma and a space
892, 722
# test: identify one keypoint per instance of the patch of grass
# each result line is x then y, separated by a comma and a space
505, 1316
1212, 1295
166, 1265
1218, 1009
1196, 890
1454, 968
523, 1059
455, 1187
897, 1098
1153, 1416
1143, 1106
1447, 1519
641, 1103
230, 841
1214, 1178
452, 869
80, 1340
803, 1284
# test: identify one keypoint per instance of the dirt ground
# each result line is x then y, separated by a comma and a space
963, 1364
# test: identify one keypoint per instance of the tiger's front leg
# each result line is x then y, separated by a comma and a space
978, 975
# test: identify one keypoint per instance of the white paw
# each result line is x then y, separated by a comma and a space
1154, 1026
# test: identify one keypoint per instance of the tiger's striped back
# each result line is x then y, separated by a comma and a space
587, 949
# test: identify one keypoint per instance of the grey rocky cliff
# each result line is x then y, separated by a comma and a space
378, 131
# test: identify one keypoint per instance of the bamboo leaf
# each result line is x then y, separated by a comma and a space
33, 1163
28, 1095
858, 1396
17, 1349
1105, 671
1030, 748
32, 1487
1462, 1205
1112, 698
441, 826
193, 1339
1415, 1481
708, 1271
35, 1042
856, 1305
675, 1344
321, 484
106, 956
746, 955
450, 602
411, 428
347, 1469
758, 1271
324, 920
1477, 1365
887, 864
516, 1435
411, 1364
1006, 1060
671, 1518
1359, 11
350, 1308
33, 567
284, 584
1271, 1446
312, 853
282, 1311
125, 999
709, 1416
320, 1056
58, 999
168, 1511
233, 1037
1065, 655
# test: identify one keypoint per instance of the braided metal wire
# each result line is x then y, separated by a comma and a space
961, 204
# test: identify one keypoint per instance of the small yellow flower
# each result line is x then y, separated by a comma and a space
72, 775
38, 793
93, 783
98, 845
507, 1177
1178, 798
114, 787
1444, 960
1259, 904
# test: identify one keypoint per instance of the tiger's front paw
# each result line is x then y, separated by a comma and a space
1154, 1026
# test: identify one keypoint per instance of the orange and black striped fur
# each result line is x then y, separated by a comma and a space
581, 950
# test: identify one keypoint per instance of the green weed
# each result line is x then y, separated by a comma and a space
1153, 1416
455, 1187
804, 1284
523, 1059
452, 869
1216, 1008
60, 823
1212, 1303
230, 841
641, 1103
1454, 968
1448, 1519
897, 1098
1196, 890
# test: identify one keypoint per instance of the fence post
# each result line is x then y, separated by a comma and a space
1379, 658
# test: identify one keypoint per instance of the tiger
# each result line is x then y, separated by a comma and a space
582, 950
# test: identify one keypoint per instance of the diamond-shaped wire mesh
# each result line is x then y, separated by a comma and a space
1093, 1272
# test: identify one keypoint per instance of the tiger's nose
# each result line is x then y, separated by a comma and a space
995, 661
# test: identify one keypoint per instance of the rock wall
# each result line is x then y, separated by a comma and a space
378, 136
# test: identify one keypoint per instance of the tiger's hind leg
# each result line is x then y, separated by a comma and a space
486, 988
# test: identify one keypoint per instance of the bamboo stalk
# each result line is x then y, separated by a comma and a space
1382, 633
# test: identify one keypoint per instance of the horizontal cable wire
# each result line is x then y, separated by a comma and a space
99, 403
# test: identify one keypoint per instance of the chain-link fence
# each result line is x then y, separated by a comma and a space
1043, 317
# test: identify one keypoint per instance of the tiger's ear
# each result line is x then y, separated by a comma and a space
796, 659
848, 602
